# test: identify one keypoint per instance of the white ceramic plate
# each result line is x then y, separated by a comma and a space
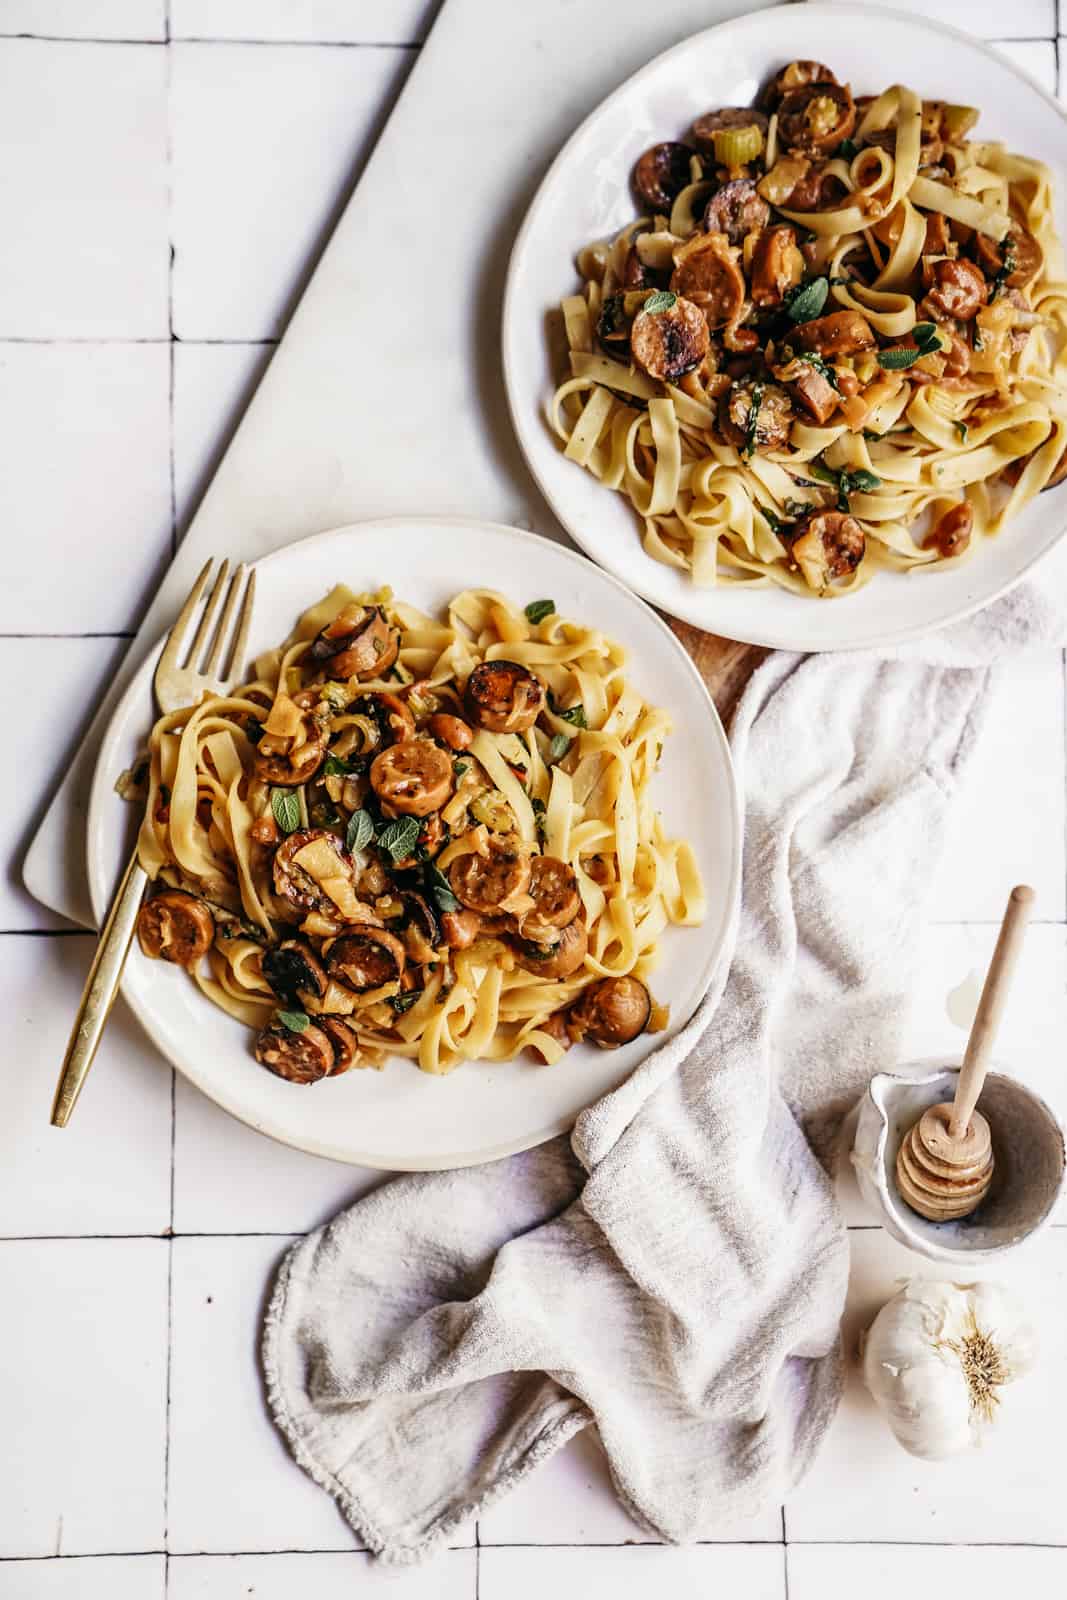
402, 1118
586, 196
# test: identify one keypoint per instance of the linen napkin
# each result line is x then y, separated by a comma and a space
673, 1273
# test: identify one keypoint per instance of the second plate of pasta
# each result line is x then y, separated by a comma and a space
447, 861
805, 376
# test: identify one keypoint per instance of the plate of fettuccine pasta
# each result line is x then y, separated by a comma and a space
804, 380
456, 852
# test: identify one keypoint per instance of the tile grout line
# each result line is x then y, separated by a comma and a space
169, 170
158, 44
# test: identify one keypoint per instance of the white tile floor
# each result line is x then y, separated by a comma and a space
138, 1461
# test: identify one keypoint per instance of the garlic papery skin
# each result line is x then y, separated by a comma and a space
936, 1357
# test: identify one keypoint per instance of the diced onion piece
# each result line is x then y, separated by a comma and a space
285, 720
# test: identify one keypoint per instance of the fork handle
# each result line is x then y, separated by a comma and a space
101, 987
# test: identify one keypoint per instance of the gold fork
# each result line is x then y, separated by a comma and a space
182, 676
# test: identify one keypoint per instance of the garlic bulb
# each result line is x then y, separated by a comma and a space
935, 1357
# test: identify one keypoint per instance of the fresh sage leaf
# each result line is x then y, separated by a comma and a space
925, 333
558, 747
661, 300
862, 480
399, 838
286, 808
846, 150
538, 610
404, 1002
360, 831
573, 714
460, 767
961, 429
440, 888
295, 1021
807, 300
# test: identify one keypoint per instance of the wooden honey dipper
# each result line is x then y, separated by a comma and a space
945, 1162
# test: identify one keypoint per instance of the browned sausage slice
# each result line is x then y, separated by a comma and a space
344, 1040
452, 731
795, 76
952, 534
777, 265
815, 393
842, 333
712, 122
412, 778
957, 289
391, 715
366, 960
294, 884
661, 174
554, 887
298, 1057
1019, 251
815, 118
174, 926
485, 883
754, 415
293, 967
737, 209
707, 273
670, 343
277, 763
461, 928
612, 1012
831, 544
557, 960
358, 643
504, 697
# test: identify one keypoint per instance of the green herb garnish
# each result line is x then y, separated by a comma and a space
772, 521
861, 481
538, 808
961, 429
360, 831
538, 610
661, 300
573, 714
404, 1002
752, 424
558, 747
439, 888
901, 356
1008, 263
295, 1021
399, 838
823, 368
847, 150
460, 767
807, 300
286, 808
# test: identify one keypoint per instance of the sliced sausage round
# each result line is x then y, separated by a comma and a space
1019, 251
830, 544
558, 960
344, 1040
668, 344
298, 1057
957, 289
709, 276
452, 731
293, 967
412, 778
366, 960
815, 118
174, 926
284, 767
296, 886
613, 1011
776, 265
952, 534
504, 697
358, 643
391, 715
554, 887
797, 75
483, 883
661, 174
768, 429
712, 122
737, 209
842, 333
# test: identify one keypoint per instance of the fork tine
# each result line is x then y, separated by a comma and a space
223, 628
240, 644
203, 633
172, 648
